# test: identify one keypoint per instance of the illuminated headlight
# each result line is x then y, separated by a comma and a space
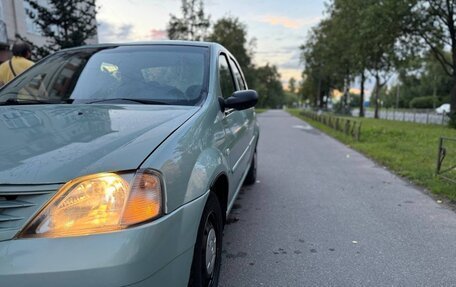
99, 203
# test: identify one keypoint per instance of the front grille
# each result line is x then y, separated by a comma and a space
19, 203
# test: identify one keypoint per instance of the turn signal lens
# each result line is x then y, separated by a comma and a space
145, 200
98, 203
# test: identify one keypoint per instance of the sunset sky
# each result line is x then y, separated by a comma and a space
279, 27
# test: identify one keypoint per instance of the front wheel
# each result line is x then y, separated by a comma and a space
207, 255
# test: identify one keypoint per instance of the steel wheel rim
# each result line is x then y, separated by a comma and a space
211, 250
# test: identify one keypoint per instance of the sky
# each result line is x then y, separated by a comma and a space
279, 26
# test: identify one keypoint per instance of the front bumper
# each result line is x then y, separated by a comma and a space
155, 254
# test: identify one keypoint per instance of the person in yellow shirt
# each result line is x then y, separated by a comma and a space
17, 64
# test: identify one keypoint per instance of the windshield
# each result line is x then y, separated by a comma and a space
160, 74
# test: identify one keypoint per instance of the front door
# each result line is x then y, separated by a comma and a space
236, 124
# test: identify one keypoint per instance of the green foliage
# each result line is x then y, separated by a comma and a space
423, 102
408, 149
355, 100
382, 28
428, 79
232, 34
321, 64
292, 85
290, 99
66, 23
340, 108
432, 27
358, 36
308, 89
269, 87
192, 26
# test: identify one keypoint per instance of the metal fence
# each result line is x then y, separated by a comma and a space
349, 127
423, 116
446, 159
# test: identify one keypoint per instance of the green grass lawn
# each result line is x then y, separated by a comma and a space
408, 149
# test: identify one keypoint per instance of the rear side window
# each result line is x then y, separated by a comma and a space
237, 75
226, 78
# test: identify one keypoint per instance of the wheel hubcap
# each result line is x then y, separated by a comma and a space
211, 250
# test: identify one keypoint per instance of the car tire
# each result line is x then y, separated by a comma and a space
207, 254
252, 173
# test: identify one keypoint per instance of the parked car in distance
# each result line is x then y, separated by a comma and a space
120, 164
445, 108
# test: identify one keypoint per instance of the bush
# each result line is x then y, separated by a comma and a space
340, 109
423, 102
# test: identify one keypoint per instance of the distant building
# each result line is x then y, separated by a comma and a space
14, 20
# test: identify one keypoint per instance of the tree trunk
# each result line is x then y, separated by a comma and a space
377, 95
322, 99
453, 102
452, 31
346, 93
361, 96
318, 99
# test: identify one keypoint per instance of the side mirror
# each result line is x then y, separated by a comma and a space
241, 100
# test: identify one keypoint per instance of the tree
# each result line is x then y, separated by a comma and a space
425, 78
309, 89
232, 34
269, 87
359, 36
433, 22
65, 23
192, 26
292, 85
348, 18
322, 67
372, 30
382, 28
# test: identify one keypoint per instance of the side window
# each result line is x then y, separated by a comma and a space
226, 79
237, 75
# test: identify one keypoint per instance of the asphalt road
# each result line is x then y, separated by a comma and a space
324, 215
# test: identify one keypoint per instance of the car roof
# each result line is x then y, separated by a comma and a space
146, 43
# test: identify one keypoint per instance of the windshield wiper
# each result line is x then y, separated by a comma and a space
16, 102
140, 101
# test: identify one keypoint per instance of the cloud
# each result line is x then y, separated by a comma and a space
287, 74
290, 23
124, 31
110, 32
119, 33
293, 62
286, 70
157, 34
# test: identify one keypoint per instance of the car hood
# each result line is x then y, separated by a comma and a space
55, 143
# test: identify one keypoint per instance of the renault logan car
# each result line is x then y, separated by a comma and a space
120, 163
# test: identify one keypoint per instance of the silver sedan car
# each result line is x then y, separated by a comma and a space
120, 163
